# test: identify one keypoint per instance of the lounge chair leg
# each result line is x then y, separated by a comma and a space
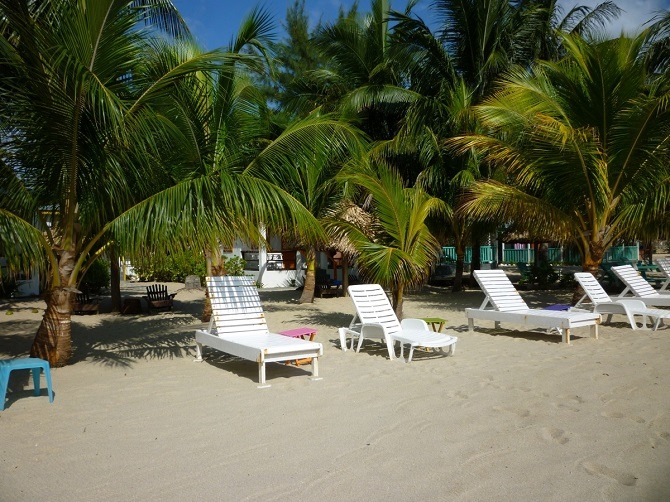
360, 342
343, 339
452, 349
411, 353
261, 375
566, 335
471, 324
497, 324
198, 352
594, 331
315, 369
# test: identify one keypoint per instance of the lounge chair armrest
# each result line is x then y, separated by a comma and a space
633, 304
372, 330
417, 324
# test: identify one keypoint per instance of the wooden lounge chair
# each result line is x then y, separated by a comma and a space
508, 306
238, 327
84, 304
157, 297
325, 286
375, 318
603, 304
639, 287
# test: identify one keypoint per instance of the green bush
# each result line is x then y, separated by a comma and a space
234, 265
7, 285
544, 274
96, 277
170, 268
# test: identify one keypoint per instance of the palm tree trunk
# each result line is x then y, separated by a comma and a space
345, 275
54, 336
460, 266
115, 281
53, 341
207, 309
310, 277
398, 300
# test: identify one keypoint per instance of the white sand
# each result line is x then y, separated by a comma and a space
513, 415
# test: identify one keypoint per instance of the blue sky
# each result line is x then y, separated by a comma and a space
214, 22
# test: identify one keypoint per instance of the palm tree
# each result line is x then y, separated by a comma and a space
313, 182
74, 100
584, 143
94, 140
544, 21
399, 250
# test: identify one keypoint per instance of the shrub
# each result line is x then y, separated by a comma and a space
169, 268
7, 285
234, 265
96, 277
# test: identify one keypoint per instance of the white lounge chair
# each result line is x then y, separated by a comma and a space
238, 327
375, 318
603, 304
664, 265
639, 287
508, 306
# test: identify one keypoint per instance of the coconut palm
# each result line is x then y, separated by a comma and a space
399, 249
93, 126
74, 98
584, 143
544, 21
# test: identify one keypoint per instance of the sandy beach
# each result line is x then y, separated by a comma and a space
513, 415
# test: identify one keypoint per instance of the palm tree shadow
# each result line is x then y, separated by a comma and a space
114, 343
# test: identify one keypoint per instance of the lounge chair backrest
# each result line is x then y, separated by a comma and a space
157, 292
499, 290
634, 281
236, 306
592, 288
373, 306
664, 265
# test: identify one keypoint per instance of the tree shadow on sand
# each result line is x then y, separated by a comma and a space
122, 341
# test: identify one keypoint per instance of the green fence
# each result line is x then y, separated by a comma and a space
555, 255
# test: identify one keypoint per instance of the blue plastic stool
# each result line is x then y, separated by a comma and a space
31, 363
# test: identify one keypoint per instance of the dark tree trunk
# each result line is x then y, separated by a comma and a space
460, 266
398, 299
476, 261
54, 336
345, 275
53, 341
115, 281
211, 270
310, 277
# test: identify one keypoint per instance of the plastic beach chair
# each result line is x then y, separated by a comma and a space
639, 287
238, 327
375, 318
31, 363
506, 305
603, 304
